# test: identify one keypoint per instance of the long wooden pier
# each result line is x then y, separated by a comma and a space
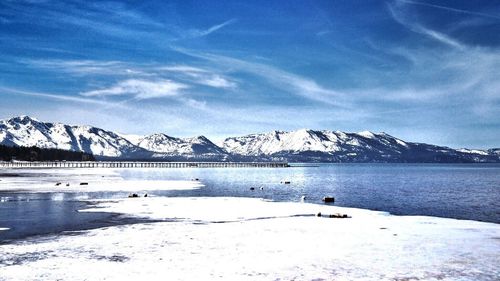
134, 164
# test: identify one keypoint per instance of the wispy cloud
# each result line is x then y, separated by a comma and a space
83, 67
109, 18
451, 9
183, 69
414, 26
441, 37
289, 82
201, 76
66, 98
140, 89
194, 33
185, 73
216, 81
441, 77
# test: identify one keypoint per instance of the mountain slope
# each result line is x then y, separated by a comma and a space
295, 146
334, 146
166, 147
26, 131
23, 153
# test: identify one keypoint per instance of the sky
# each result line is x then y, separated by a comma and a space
423, 71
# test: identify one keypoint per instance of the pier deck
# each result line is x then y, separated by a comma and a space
134, 164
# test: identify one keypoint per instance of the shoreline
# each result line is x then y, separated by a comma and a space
117, 218
253, 239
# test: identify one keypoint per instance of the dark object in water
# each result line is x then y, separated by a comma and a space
261, 188
285, 182
336, 216
339, 216
58, 184
67, 184
84, 183
252, 188
133, 195
195, 179
146, 195
327, 199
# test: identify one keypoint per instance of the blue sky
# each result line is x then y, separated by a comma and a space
426, 71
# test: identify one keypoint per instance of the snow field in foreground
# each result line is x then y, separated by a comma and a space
251, 239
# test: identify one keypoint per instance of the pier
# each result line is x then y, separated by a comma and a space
134, 164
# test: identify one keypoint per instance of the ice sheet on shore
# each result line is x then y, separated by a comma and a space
97, 180
251, 239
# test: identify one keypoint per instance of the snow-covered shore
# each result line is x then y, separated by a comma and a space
251, 239
84, 180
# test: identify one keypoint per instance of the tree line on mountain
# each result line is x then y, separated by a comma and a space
33, 153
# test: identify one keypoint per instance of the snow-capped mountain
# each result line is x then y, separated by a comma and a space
164, 146
494, 151
26, 131
299, 141
295, 146
335, 146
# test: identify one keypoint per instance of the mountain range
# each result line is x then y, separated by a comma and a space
294, 146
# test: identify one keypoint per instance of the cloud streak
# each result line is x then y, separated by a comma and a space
111, 19
201, 76
83, 67
467, 12
418, 28
195, 33
65, 98
191, 75
289, 82
140, 89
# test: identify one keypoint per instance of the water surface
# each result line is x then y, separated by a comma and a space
461, 191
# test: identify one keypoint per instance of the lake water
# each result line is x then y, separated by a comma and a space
462, 191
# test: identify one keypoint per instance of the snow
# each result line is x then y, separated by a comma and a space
226, 238
400, 142
26, 131
134, 139
308, 140
251, 239
97, 180
279, 141
367, 134
161, 143
473, 151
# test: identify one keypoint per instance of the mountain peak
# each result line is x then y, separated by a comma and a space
367, 134
23, 119
159, 136
201, 138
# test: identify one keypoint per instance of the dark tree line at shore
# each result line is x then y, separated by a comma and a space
22, 153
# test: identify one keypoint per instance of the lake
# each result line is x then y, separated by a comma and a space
461, 191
